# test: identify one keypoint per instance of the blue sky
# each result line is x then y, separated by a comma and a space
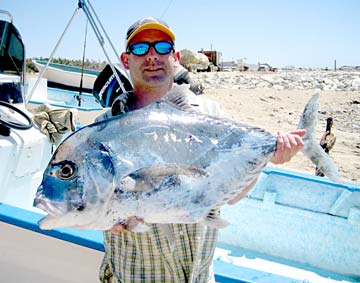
302, 33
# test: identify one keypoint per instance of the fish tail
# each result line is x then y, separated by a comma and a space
311, 148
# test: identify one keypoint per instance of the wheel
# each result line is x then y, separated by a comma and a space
11, 122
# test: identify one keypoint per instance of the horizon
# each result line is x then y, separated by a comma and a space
308, 34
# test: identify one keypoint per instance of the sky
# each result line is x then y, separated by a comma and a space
300, 33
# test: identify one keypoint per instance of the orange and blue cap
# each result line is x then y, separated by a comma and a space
145, 24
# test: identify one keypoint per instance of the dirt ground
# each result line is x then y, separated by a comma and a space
275, 110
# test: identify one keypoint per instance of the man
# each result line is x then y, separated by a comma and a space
154, 256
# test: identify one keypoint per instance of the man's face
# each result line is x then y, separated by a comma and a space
152, 68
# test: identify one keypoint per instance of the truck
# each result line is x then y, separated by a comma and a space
214, 59
266, 67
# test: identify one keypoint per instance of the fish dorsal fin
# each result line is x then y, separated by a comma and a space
150, 178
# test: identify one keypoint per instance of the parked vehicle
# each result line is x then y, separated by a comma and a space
266, 67
214, 59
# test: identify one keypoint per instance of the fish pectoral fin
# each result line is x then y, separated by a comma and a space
148, 178
215, 221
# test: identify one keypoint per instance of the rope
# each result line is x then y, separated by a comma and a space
166, 9
78, 97
51, 56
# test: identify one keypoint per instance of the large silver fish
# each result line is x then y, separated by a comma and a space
162, 164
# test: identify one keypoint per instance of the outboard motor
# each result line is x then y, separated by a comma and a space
106, 87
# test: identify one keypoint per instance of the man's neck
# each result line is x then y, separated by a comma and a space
147, 96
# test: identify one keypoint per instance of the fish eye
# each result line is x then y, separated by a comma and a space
67, 171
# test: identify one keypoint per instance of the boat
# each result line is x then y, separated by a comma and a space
291, 228
68, 77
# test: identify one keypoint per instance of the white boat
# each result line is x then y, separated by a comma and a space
24, 151
68, 77
292, 228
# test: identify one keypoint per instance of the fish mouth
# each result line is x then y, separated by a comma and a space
52, 208
55, 215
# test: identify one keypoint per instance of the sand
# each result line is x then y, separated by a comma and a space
280, 110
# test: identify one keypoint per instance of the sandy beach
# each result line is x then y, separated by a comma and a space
273, 110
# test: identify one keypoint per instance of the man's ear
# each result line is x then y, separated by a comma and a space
125, 60
176, 57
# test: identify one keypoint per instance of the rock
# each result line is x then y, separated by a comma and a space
189, 58
356, 83
300, 80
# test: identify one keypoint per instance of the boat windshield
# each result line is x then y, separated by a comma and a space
12, 63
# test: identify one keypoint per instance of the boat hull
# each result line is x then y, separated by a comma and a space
300, 218
68, 76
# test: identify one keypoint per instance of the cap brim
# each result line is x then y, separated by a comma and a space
155, 26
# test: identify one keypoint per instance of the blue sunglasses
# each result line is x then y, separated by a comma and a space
142, 48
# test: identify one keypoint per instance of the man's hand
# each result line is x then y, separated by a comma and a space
288, 144
118, 228
126, 225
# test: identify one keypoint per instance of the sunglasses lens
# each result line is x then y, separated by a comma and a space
140, 48
163, 47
